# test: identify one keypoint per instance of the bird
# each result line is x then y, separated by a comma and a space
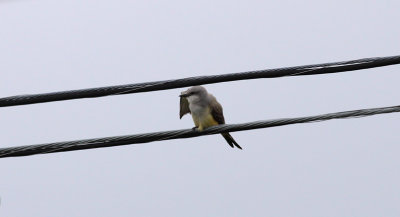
206, 111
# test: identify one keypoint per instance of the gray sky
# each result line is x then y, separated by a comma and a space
335, 168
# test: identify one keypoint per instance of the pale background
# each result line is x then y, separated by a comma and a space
335, 168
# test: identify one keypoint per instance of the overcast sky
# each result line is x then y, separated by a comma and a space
334, 168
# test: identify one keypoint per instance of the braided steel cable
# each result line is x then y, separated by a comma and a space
178, 134
191, 81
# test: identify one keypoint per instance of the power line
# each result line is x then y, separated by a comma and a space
191, 81
176, 134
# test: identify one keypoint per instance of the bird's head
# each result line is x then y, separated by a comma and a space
194, 93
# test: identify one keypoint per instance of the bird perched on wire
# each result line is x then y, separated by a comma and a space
205, 110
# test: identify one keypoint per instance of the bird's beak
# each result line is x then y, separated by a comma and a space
184, 94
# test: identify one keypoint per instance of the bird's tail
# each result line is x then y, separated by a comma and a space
229, 139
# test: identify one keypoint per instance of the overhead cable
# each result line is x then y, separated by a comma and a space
191, 81
177, 134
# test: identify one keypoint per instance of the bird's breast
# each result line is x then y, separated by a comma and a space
202, 117
197, 110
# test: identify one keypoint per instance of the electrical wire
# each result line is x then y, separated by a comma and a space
185, 133
325, 68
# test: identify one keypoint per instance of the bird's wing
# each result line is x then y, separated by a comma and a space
216, 111
184, 107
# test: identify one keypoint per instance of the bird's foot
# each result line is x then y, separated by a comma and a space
195, 128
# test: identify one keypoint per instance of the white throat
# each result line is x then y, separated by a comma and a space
193, 99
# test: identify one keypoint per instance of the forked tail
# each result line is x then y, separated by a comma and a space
229, 139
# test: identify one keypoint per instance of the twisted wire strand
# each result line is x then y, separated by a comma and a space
185, 133
324, 68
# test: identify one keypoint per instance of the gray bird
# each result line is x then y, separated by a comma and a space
205, 110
